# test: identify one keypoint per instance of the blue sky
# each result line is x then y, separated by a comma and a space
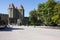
27, 4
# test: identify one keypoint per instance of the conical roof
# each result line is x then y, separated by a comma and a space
20, 7
11, 6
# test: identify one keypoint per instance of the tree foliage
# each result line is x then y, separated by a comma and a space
56, 17
33, 16
48, 13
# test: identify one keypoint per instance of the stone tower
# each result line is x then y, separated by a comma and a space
21, 10
12, 14
21, 14
11, 11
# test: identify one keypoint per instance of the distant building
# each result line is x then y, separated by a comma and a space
26, 20
16, 15
4, 17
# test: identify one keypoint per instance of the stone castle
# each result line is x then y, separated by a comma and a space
15, 15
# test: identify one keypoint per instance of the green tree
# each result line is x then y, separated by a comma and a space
40, 11
33, 16
56, 17
49, 7
46, 11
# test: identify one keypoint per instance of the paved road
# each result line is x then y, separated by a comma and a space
25, 33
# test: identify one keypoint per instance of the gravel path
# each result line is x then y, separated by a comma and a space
29, 33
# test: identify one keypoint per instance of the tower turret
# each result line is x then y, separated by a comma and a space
11, 6
21, 10
11, 11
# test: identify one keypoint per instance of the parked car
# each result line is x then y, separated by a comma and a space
3, 24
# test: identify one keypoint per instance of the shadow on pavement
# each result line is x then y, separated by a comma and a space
10, 29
